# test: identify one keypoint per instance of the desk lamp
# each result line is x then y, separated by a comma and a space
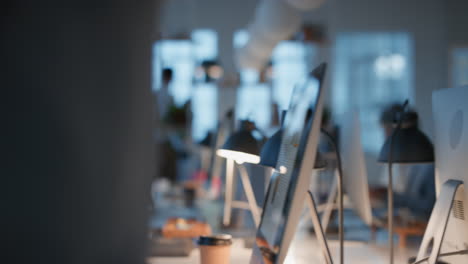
240, 147
406, 145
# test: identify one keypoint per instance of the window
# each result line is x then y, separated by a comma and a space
205, 94
371, 70
253, 100
205, 43
182, 56
290, 63
290, 66
177, 55
204, 110
460, 66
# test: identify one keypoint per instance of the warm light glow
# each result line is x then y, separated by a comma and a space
215, 72
239, 157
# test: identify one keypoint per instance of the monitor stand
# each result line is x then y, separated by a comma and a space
318, 228
437, 225
330, 205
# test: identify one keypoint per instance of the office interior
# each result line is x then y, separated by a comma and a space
116, 112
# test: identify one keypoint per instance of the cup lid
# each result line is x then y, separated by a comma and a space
215, 240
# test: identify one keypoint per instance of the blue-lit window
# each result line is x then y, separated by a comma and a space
253, 100
177, 55
204, 107
460, 66
205, 44
183, 56
240, 38
291, 60
205, 95
371, 70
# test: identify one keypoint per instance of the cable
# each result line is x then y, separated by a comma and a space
447, 254
399, 120
340, 192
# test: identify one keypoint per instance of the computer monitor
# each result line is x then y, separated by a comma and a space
289, 182
450, 111
355, 183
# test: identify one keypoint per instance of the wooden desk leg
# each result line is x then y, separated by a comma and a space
402, 240
373, 232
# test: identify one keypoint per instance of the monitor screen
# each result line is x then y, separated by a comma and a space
286, 190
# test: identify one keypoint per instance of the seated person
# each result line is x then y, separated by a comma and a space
415, 203
414, 185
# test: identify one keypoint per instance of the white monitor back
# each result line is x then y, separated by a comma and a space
450, 111
289, 183
355, 182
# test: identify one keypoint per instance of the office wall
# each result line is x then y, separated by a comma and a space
457, 22
435, 26
223, 16
424, 20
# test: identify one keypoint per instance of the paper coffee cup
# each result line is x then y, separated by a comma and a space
215, 249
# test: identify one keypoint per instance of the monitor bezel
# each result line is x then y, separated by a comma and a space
300, 178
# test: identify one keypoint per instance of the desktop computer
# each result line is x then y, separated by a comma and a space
447, 230
355, 181
287, 190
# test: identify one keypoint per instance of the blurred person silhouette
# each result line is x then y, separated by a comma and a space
164, 98
414, 184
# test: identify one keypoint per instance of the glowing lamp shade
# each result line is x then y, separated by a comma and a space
241, 147
410, 145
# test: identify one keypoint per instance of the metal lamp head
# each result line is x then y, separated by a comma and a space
241, 147
207, 140
410, 145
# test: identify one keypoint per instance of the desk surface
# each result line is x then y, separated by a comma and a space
305, 252
239, 254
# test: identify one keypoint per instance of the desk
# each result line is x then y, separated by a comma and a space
239, 254
304, 251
